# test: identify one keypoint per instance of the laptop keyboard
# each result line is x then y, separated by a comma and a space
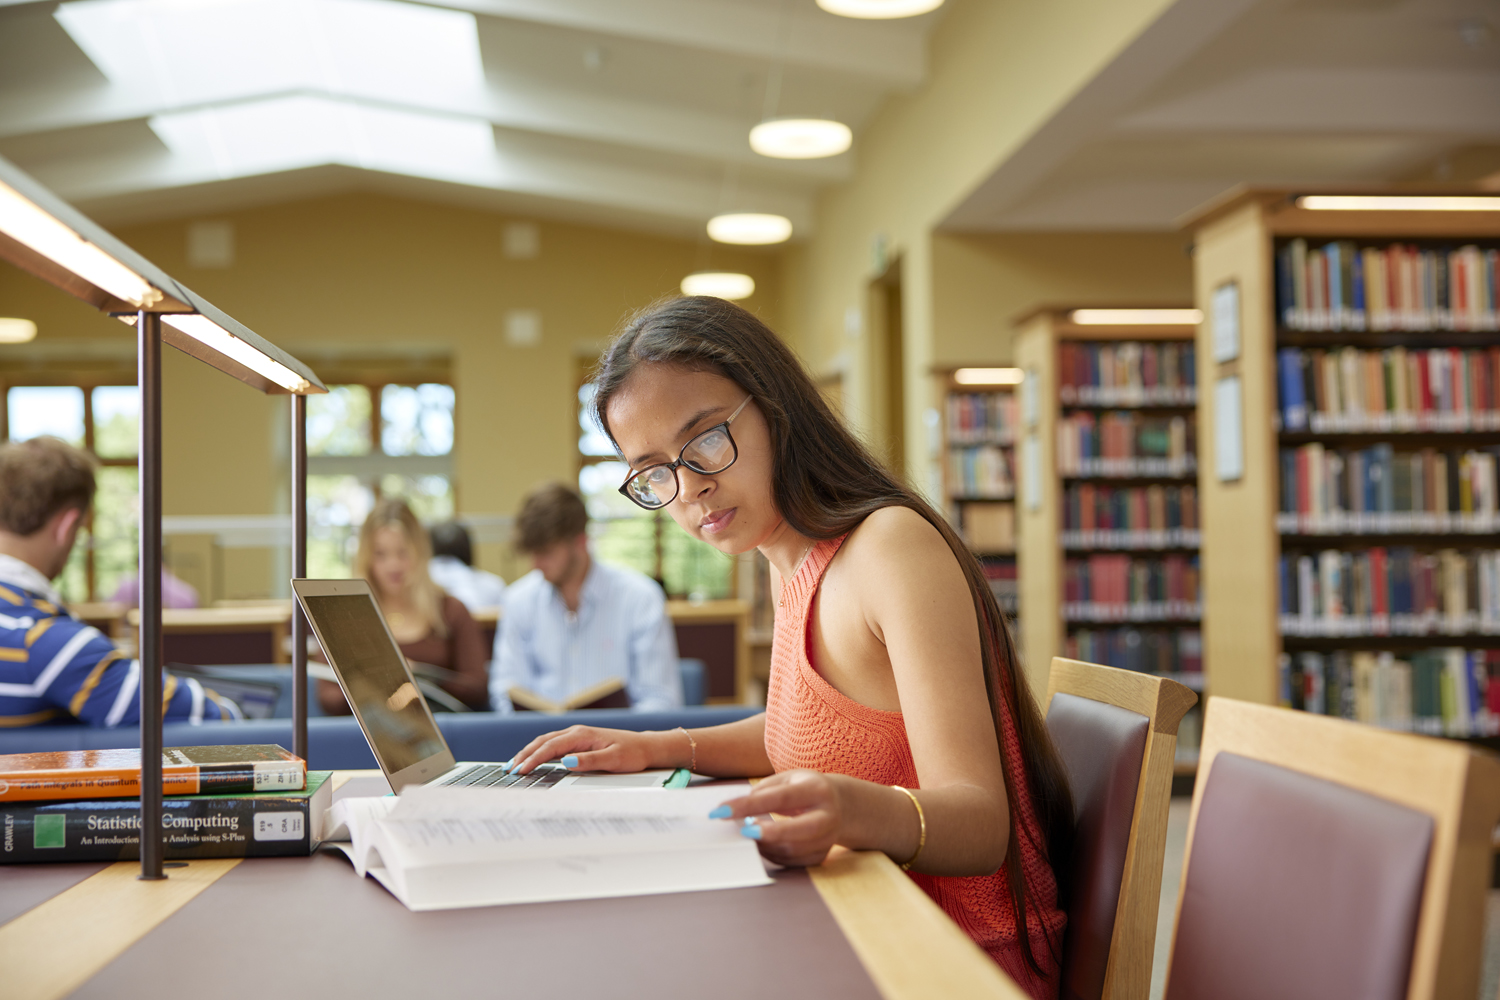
494, 776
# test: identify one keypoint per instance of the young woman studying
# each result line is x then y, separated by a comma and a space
430, 626
896, 716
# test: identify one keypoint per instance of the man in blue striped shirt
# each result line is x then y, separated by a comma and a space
54, 668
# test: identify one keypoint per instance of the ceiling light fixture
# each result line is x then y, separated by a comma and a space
879, 8
719, 284
24, 222
989, 376
800, 138
1398, 203
1137, 317
750, 228
206, 331
16, 331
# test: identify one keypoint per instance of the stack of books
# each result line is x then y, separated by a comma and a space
1395, 390
218, 802
1151, 651
1127, 373
1438, 692
1344, 286
1133, 517
1122, 588
1379, 490
1125, 444
1395, 591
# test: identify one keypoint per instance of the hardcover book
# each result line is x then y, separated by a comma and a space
247, 825
102, 774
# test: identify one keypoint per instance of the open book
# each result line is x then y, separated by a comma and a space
438, 848
608, 693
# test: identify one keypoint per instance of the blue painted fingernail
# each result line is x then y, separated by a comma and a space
751, 830
508, 764
570, 762
721, 812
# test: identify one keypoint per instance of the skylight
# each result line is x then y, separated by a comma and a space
178, 53
287, 133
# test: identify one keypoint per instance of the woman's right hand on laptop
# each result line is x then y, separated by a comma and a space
585, 748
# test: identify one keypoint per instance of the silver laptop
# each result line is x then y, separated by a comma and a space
394, 716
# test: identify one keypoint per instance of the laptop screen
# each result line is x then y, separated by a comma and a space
375, 678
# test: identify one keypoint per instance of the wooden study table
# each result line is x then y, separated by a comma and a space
854, 927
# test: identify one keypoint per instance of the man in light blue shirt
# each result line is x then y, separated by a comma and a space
573, 622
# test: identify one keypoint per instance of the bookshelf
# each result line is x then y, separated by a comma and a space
979, 423
1107, 519
1352, 560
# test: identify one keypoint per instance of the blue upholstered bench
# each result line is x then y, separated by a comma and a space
336, 743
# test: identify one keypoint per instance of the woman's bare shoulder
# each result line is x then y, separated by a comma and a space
897, 537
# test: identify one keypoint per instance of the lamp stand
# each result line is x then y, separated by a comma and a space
148, 334
299, 570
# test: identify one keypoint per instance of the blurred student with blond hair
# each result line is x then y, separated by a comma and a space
430, 626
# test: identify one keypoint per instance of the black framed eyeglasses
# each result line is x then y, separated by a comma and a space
708, 453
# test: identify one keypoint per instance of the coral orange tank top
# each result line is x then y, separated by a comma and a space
810, 724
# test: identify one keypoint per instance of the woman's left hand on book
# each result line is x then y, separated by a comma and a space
794, 816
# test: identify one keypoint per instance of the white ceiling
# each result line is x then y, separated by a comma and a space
629, 111
1274, 92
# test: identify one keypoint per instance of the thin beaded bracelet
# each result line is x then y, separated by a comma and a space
922, 824
693, 766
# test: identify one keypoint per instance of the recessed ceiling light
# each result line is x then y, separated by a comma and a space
16, 331
800, 138
989, 376
879, 8
750, 228
1398, 203
719, 284
1137, 317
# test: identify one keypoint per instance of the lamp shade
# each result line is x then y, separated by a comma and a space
750, 228
800, 138
882, 9
16, 331
719, 284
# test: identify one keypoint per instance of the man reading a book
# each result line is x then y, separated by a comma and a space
573, 624
53, 667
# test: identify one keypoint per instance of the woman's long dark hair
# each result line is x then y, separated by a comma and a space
825, 483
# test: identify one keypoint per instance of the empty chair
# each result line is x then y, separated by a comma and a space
1116, 731
1327, 859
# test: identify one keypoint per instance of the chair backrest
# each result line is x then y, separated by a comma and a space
1116, 731
1331, 859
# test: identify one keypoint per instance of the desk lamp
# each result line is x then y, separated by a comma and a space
44, 236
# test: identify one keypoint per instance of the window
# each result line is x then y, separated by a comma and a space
366, 441
104, 420
623, 533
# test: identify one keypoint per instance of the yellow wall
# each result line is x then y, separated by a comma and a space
998, 70
982, 283
365, 271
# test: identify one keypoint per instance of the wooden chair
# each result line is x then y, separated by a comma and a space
1331, 859
1116, 731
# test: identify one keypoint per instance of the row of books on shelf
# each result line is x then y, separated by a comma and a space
1127, 373
1381, 490
1122, 588
1396, 591
1145, 650
1437, 692
1001, 573
1130, 517
1125, 444
981, 471
1344, 286
982, 418
1397, 390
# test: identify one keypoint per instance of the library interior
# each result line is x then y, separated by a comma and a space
948, 498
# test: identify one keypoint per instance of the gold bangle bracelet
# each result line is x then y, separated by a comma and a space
922, 828
693, 765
